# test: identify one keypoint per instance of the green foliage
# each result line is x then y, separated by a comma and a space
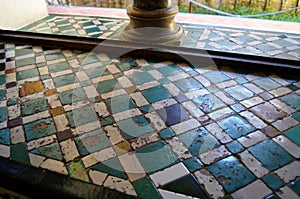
292, 16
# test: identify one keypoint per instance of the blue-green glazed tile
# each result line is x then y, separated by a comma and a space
216, 76
241, 80
11, 102
18, 152
188, 84
239, 92
273, 181
155, 157
145, 189
92, 30
266, 83
231, 174
45, 77
166, 134
193, 164
141, 78
208, 103
80, 116
85, 83
60, 66
270, 154
108, 86
126, 65
97, 72
111, 167
39, 128
4, 136
135, 127
120, 103
170, 70
199, 141
236, 126
295, 186
63, 28
52, 151
294, 134
41, 64
65, 80
296, 116
156, 94
293, 100
3, 114
72, 96
235, 147
91, 142
173, 114
88, 60
106, 121
164, 81
2, 79
26, 74
54, 56
146, 109
25, 62
34, 106
25, 51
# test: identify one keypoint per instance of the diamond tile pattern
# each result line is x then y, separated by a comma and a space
116, 123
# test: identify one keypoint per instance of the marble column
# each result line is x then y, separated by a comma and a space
153, 21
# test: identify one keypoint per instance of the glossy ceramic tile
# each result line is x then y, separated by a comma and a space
150, 129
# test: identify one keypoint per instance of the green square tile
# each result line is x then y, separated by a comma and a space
235, 147
120, 103
216, 76
155, 157
111, 167
156, 94
25, 74
34, 106
92, 30
4, 136
80, 116
68, 27
72, 96
77, 171
238, 107
25, 51
193, 164
164, 81
146, 109
170, 70
106, 121
65, 80
135, 127
166, 133
108, 86
266, 83
188, 84
54, 56
61, 22
41, 64
126, 65
91, 142
18, 152
208, 103
39, 128
239, 92
294, 134
141, 78
146, 189
236, 126
25, 62
241, 80
52, 151
89, 59
273, 181
3, 114
199, 141
271, 155
296, 116
45, 77
292, 100
295, 186
2, 79
231, 174
60, 66
97, 72
85, 83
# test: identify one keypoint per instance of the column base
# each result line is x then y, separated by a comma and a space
156, 26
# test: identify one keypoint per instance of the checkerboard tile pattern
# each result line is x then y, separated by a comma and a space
242, 41
77, 26
148, 128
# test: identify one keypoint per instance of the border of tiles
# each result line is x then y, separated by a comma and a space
40, 183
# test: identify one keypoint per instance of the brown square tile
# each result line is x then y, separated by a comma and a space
268, 112
57, 111
122, 147
270, 131
31, 88
50, 92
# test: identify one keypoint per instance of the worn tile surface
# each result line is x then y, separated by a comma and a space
131, 124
